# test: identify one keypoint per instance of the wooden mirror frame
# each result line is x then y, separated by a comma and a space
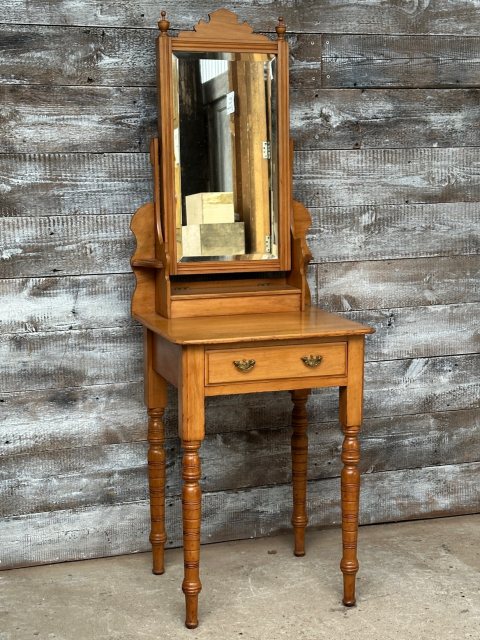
222, 33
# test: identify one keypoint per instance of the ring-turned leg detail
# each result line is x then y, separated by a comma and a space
299, 445
350, 482
191, 506
156, 481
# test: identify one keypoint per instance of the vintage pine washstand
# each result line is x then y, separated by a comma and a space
220, 268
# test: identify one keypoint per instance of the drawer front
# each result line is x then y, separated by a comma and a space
274, 363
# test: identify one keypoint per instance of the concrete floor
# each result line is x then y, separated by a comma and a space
418, 580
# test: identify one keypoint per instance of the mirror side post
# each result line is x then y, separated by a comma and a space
284, 170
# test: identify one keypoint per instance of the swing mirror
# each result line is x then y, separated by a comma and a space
224, 137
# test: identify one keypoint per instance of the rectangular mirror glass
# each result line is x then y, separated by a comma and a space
225, 147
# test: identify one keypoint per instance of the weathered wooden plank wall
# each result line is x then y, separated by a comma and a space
385, 114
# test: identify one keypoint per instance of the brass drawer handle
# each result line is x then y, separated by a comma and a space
311, 361
244, 365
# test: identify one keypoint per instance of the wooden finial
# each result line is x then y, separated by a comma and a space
163, 24
281, 28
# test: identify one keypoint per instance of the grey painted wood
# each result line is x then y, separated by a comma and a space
65, 303
424, 16
86, 119
74, 244
123, 119
387, 176
345, 286
77, 55
64, 184
392, 175
102, 301
402, 332
87, 244
113, 57
50, 360
123, 528
67, 359
114, 473
385, 232
119, 183
76, 417
399, 61
385, 118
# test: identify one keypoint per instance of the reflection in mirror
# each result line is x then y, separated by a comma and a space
225, 156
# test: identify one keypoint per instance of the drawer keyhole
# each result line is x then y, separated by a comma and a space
244, 365
311, 361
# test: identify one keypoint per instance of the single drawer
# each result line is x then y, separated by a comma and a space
272, 363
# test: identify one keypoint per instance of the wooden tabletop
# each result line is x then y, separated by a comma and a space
294, 325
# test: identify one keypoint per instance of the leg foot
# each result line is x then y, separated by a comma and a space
191, 506
349, 590
156, 481
299, 445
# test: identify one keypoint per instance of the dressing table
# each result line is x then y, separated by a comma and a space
220, 268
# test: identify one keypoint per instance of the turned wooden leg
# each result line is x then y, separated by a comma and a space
350, 483
299, 444
351, 400
191, 505
156, 481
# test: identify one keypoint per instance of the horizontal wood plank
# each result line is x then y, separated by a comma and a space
65, 303
87, 244
77, 55
337, 16
101, 356
119, 183
346, 286
384, 118
123, 119
110, 57
102, 301
80, 477
386, 176
421, 331
73, 417
65, 184
76, 119
399, 61
74, 244
95, 357
385, 232
108, 530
